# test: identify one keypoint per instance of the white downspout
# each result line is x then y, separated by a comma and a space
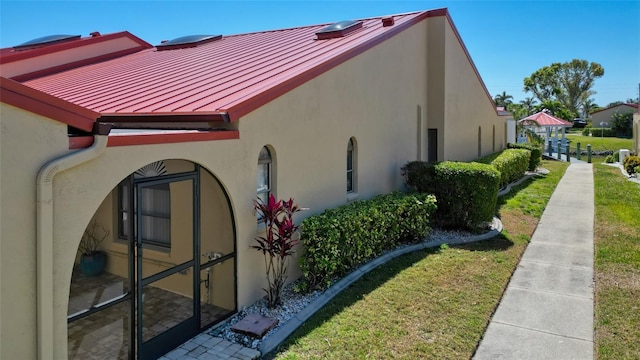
44, 238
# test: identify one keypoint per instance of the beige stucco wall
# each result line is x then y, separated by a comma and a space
27, 142
606, 115
377, 98
636, 133
467, 107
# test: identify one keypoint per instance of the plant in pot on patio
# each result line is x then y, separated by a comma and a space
93, 260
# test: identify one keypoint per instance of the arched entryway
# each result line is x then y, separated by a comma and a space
170, 271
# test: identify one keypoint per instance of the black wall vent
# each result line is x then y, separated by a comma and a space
338, 29
46, 41
187, 41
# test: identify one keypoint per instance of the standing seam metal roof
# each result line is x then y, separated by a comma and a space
217, 77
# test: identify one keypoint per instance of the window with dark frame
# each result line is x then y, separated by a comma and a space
264, 177
155, 211
350, 167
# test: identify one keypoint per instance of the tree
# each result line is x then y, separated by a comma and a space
556, 108
588, 106
528, 104
622, 124
570, 82
503, 99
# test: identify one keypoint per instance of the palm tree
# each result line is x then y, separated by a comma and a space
503, 99
588, 106
528, 103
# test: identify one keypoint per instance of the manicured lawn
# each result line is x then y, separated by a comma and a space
617, 265
431, 304
598, 143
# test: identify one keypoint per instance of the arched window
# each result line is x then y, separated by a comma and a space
351, 167
264, 176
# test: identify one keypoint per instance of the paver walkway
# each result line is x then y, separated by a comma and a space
207, 347
547, 309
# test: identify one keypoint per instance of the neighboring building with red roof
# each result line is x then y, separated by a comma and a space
165, 147
605, 115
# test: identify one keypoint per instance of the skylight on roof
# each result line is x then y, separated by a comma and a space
338, 29
45, 41
187, 41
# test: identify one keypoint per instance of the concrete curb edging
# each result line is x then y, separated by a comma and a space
284, 331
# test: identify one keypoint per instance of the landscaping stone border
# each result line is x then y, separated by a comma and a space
285, 330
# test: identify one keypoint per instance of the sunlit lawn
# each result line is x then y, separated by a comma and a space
617, 265
429, 304
599, 144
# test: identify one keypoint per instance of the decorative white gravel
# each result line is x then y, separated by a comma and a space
292, 302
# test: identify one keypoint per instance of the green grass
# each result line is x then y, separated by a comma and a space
432, 304
598, 143
617, 265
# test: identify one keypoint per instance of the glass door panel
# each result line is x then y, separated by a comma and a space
166, 221
217, 292
101, 335
167, 303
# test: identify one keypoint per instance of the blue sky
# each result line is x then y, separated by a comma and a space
507, 40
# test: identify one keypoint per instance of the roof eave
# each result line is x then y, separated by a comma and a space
38, 102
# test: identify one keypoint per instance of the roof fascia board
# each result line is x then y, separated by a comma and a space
236, 111
26, 54
473, 65
38, 102
81, 142
164, 117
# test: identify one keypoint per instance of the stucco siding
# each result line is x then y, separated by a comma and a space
417, 80
467, 107
28, 141
606, 115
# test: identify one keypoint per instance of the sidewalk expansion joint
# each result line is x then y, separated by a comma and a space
542, 331
552, 292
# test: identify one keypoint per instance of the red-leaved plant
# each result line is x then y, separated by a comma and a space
277, 244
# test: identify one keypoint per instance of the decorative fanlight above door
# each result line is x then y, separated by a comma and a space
154, 169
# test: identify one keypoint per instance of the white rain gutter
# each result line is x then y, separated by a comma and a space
44, 236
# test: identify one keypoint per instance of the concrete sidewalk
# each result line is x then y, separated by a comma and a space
547, 310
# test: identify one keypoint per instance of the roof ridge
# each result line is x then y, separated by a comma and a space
328, 23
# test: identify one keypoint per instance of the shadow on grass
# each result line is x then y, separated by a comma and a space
373, 280
497, 243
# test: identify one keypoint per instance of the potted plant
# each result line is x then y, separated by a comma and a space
93, 260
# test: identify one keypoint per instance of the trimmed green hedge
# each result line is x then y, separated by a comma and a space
602, 132
466, 192
511, 163
340, 239
536, 154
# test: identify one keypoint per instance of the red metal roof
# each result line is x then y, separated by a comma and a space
610, 107
544, 119
231, 76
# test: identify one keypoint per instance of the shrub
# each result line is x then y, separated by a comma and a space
603, 132
536, 154
466, 192
609, 159
631, 163
586, 131
616, 156
511, 163
277, 244
340, 239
